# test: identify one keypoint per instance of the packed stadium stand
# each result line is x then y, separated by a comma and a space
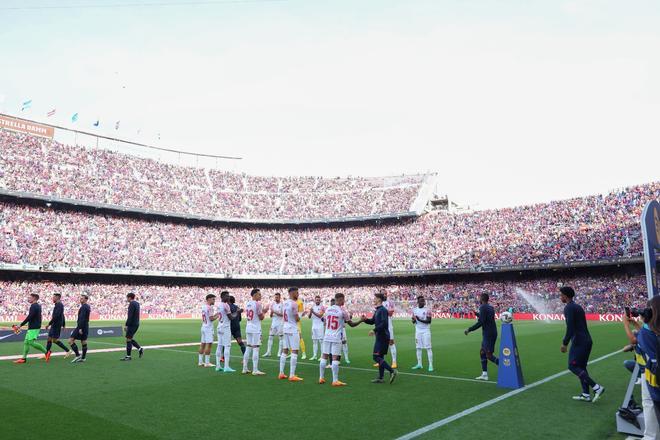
41, 238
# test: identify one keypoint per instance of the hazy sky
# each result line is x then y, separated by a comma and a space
510, 101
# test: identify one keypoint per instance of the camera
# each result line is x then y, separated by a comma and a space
645, 313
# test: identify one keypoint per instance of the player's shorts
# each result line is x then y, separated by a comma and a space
578, 355
291, 341
332, 348
254, 339
236, 332
80, 334
55, 332
381, 346
488, 344
32, 335
317, 333
207, 335
423, 340
390, 328
224, 337
276, 330
132, 330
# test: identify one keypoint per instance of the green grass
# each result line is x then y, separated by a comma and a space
166, 396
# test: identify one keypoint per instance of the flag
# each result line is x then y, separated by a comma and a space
26, 105
74, 118
51, 113
117, 125
97, 123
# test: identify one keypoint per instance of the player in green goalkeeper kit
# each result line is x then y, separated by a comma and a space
33, 321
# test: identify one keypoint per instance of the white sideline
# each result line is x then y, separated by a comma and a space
446, 420
462, 379
98, 350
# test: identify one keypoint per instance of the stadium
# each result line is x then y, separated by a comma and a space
100, 222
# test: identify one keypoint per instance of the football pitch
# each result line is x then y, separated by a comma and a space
166, 395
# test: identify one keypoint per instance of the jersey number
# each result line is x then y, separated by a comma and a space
332, 323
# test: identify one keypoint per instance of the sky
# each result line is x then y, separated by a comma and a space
510, 102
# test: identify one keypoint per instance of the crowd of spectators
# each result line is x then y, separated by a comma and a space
602, 294
46, 167
594, 227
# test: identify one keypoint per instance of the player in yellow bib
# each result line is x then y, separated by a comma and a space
301, 309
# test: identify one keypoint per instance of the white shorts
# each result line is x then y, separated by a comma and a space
390, 328
207, 335
276, 330
317, 333
254, 339
423, 340
224, 337
291, 341
332, 348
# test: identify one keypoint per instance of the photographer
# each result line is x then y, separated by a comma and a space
650, 420
648, 342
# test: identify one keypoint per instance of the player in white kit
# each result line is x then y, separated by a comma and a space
335, 319
291, 336
421, 318
254, 314
223, 351
276, 324
316, 314
207, 332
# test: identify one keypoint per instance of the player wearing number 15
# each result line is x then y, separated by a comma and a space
335, 319
255, 314
291, 336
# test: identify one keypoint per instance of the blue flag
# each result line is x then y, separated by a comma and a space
26, 105
74, 118
97, 123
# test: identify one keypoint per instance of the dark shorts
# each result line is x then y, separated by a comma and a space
131, 331
80, 334
578, 355
488, 344
55, 332
381, 346
236, 332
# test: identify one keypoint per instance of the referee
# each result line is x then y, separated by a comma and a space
131, 327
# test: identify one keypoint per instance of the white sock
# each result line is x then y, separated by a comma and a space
282, 362
429, 353
207, 358
270, 343
246, 357
484, 373
279, 346
344, 348
322, 365
335, 371
218, 355
201, 359
294, 362
255, 359
419, 356
227, 355
596, 387
314, 348
393, 351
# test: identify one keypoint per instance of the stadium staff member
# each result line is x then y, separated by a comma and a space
648, 340
577, 334
381, 344
650, 420
488, 327
131, 327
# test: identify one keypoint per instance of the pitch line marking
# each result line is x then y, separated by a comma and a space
99, 350
191, 344
467, 412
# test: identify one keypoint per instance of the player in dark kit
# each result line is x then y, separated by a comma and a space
578, 335
55, 326
81, 331
33, 321
236, 323
382, 343
131, 327
488, 327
